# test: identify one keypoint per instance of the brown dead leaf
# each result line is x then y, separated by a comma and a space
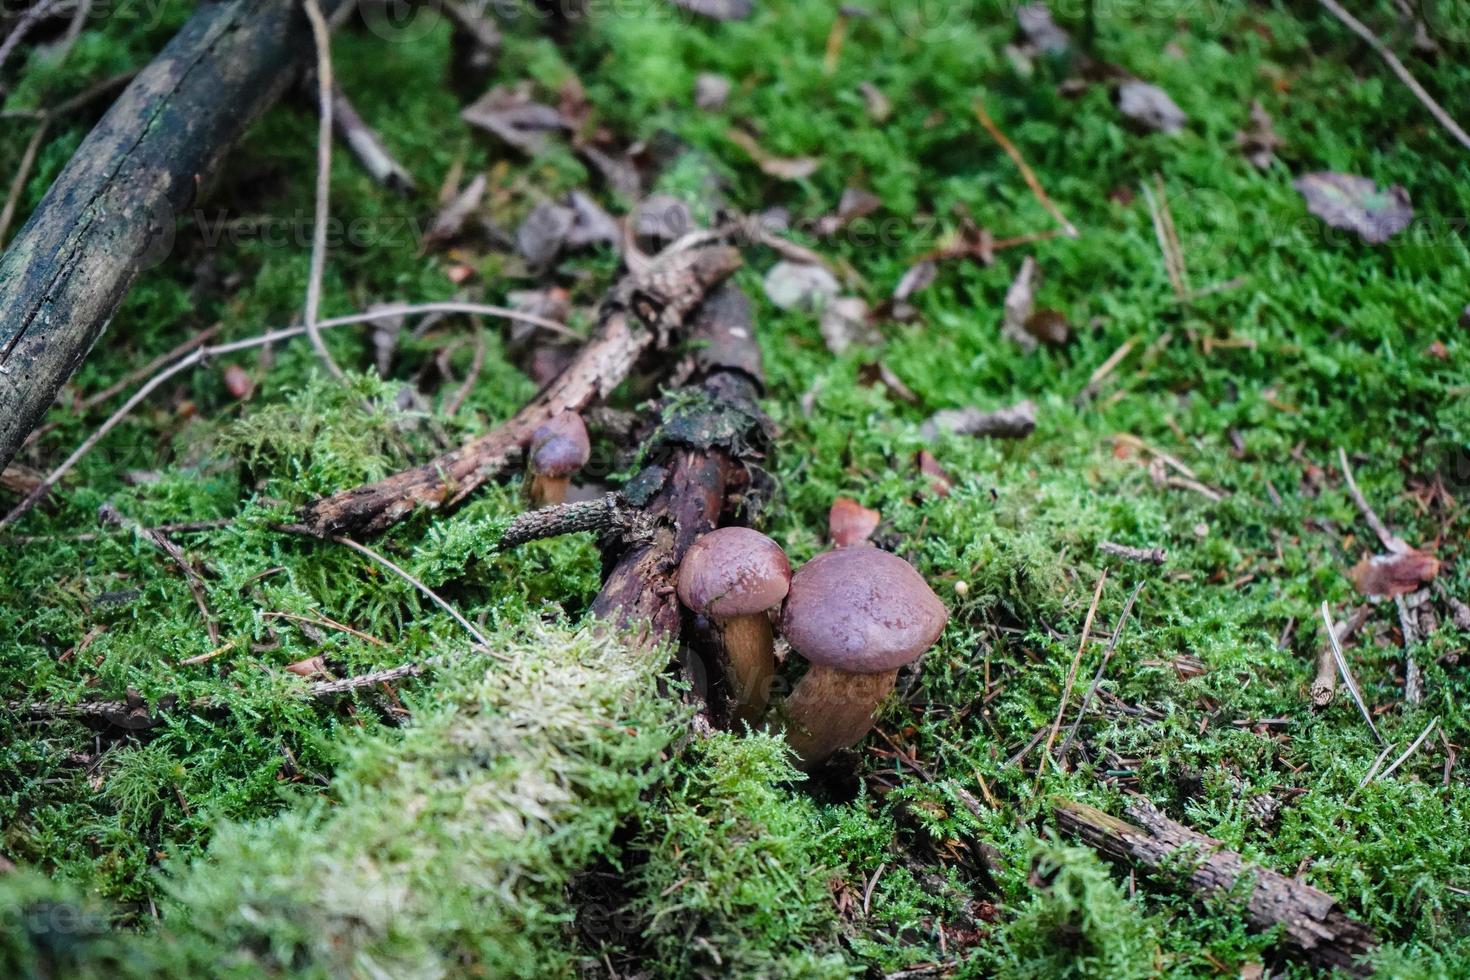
783, 168
1258, 141
919, 276
593, 225
310, 667
450, 221
509, 113
1394, 574
544, 232
1049, 326
1356, 204
849, 523
855, 203
940, 482
879, 373
1019, 302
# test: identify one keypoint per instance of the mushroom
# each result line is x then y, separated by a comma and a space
733, 576
857, 615
559, 448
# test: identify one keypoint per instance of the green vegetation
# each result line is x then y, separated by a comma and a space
283, 835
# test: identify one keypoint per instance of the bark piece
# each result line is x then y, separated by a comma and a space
112, 212
1313, 928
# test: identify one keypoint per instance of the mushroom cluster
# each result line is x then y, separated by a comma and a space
856, 614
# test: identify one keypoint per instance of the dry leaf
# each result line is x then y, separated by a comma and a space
849, 523
1049, 326
593, 224
879, 373
541, 236
1394, 574
310, 667
799, 285
711, 91
1015, 422
1150, 106
618, 172
1356, 204
508, 112
855, 203
918, 277
939, 479
845, 323
1259, 141
784, 168
1019, 302
450, 221
1041, 32
659, 219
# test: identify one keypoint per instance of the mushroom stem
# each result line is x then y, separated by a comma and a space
547, 491
830, 710
750, 663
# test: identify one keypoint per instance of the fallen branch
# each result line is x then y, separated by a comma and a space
201, 354
711, 436
644, 310
1312, 927
610, 512
112, 211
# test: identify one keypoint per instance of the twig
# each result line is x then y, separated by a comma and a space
29, 20
429, 593
1413, 677
368, 146
111, 515
1392, 542
328, 623
1106, 368
1097, 677
1149, 556
610, 511
1026, 172
641, 311
1413, 747
1056, 725
1397, 66
201, 354
1324, 684
322, 37
471, 376
1347, 675
1163, 221
22, 174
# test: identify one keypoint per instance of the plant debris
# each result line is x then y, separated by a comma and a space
1151, 107
1394, 574
1015, 422
1356, 204
800, 286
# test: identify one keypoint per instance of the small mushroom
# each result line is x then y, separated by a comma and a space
857, 615
734, 576
559, 448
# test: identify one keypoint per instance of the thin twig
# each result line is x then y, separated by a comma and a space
1391, 541
111, 515
477, 364
328, 623
1347, 675
201, 354
322, 37
1163, 222
1413, 678
29, 20
1027, 173
1373, 769
1413, 746
1056, 725
22, 174
429, 593
1397, 66
1097, 677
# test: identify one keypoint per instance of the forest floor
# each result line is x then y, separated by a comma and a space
540, 811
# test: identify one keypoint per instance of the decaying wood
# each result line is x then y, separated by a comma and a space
704, 467
1312, 927
112, 212
642, 311
610, 512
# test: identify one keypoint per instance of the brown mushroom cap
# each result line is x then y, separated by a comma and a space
559, 446
861, 610
733, 571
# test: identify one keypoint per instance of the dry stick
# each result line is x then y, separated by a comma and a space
1413, 747
22, 174
32, 17
1391, 541
1347, 675
1097, 677
367, 146
321, 35
328, 623
1413, 677
1026, 172
199, 355
1397, 66
1056, 725
162, 542
1310, 925
1173, 263
429, 593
